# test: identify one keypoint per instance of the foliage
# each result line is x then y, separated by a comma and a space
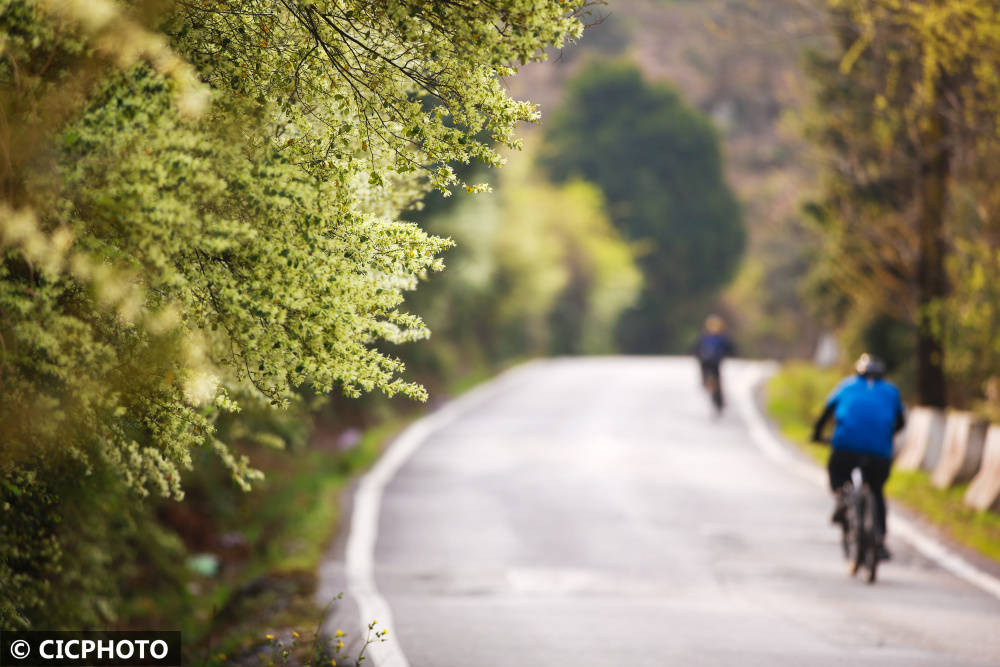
67, 552
559, 252
739, 63
795, 398
320, 649
538, 269
969, 321
205, 213
908, 116
269, 543
866, 219
659, 165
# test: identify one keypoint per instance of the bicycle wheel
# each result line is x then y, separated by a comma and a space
854, 534
869, 529
713, 387
845, 524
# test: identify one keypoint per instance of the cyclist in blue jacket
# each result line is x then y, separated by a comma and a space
712, 347
867, 413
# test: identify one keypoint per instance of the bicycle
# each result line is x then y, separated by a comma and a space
712, 382
860, 536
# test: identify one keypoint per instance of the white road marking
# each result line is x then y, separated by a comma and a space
359, 557
557, 581
749, 375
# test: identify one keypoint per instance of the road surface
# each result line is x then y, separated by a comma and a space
591, 512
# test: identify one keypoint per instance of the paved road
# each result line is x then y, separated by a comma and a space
590, 512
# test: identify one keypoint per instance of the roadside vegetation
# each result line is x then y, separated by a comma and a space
907, 118
255, 572
204, 234
795, 398
210, 217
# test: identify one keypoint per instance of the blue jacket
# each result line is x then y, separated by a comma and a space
867, 413
713, 348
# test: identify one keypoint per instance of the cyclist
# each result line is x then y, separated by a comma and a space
867, 412
712, 347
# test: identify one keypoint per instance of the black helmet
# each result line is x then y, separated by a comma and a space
870, 366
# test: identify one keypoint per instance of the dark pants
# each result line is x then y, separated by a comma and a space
874, 471
711, 379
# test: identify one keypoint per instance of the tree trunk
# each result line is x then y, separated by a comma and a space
932, 282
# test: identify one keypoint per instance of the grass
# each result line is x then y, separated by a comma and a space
795, 398
291, 520
480, 374
470, 381
285, 526
979, 530
302, 509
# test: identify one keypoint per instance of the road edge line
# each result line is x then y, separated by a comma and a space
774, 449
359, 552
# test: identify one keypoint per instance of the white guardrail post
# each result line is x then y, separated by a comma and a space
962, 451
984, 491
922, 439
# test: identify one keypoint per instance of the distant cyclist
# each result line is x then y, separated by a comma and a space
712, 347
867, 413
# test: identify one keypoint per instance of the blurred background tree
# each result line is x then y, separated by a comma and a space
906, 116
538, 269
738, 64
659, 164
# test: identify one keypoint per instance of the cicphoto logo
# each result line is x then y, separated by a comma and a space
72, 649
98, 649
